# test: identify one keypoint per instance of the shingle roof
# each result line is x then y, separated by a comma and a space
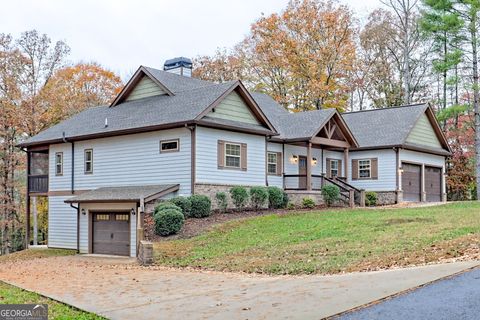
127, 193
177, 83
383, 127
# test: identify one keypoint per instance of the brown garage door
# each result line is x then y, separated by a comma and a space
411, 185
111, 233
433, 184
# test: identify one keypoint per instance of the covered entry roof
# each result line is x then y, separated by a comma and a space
125, 194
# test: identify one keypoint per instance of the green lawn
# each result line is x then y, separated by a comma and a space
35, 254
56, 310
330, 241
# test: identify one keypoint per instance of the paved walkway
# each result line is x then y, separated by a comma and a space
118, 289
453, 298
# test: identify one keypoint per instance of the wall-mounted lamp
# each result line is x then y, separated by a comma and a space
295, 158
84, 212
132, 212
400, 170
314, 161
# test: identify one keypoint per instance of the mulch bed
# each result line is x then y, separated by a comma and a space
196, 226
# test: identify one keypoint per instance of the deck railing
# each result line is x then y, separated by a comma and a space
38, 183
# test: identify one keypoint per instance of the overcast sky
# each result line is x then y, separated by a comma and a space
121, 35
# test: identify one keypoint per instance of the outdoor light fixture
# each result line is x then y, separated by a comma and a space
314, 161
295, 158
84, 212
132, 212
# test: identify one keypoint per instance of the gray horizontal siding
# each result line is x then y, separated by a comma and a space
234, 108
62, 224
145, 88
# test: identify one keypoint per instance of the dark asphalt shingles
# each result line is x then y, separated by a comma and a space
453, 298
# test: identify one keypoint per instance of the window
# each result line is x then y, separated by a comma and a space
333, 168
102, 217
169, 146
88, 161
121, 217
272, 162
232, 155
59, 163
364, 168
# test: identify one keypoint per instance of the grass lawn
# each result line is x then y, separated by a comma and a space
56, 310
331, 241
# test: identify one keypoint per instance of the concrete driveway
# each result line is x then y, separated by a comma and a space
119, 289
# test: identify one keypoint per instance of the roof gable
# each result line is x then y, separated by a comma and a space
146, 87
234, 108
423, 134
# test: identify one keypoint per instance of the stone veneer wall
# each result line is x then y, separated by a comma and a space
210, 190
296, 197
386, 197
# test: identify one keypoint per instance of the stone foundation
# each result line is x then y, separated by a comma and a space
210, 190
296, 197
386, 197
145, 252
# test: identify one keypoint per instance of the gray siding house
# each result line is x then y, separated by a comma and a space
168, 134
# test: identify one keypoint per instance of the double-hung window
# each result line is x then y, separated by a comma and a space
59, 163
272, 162
333, 168
88, 161
232, 155
364, 169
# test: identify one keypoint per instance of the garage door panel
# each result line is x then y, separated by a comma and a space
433, 184
111, 233
411, 182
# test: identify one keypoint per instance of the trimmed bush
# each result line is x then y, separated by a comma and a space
371, 198
168, 221
258, 196
308, 203
330, 193
166, 205
239, 197
275, 198
183, 203
201, 206
221, 198
291, 206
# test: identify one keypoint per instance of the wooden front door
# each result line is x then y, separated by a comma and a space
411, 182
302, 171
111, 233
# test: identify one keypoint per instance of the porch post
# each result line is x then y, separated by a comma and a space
345, 160
309, 166
27, 207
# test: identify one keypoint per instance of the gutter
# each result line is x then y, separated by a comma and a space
78, 226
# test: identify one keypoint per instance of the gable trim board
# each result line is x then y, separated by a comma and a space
132, 83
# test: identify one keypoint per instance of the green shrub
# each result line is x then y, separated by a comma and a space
166, 205
285, 199
308, 203
291, 206
168, 221
221, 198
258, 197
183, 203
330, 193
201, 206
371, 198
239, 197
275, 197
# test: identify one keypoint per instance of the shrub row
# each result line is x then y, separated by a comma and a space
257, 197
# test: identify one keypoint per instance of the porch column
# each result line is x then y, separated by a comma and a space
309, 166
423, 195
345, 160
27, 206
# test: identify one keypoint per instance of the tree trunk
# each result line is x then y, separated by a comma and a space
35, 221
473, 33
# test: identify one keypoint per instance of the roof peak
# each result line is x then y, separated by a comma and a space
387, 108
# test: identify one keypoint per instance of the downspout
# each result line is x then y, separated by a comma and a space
266, 161
283, 165
78, 226
193, 150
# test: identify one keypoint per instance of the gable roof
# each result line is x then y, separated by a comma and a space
390, 127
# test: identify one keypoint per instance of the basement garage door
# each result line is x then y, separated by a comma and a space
411, 184
433, 184
111, 233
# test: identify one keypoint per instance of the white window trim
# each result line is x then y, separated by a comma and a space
239, 156
369, 169
274, 163
85, 161
177, 141
331, 168
59, 163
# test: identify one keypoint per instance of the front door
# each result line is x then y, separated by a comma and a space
111, 233
302, 171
